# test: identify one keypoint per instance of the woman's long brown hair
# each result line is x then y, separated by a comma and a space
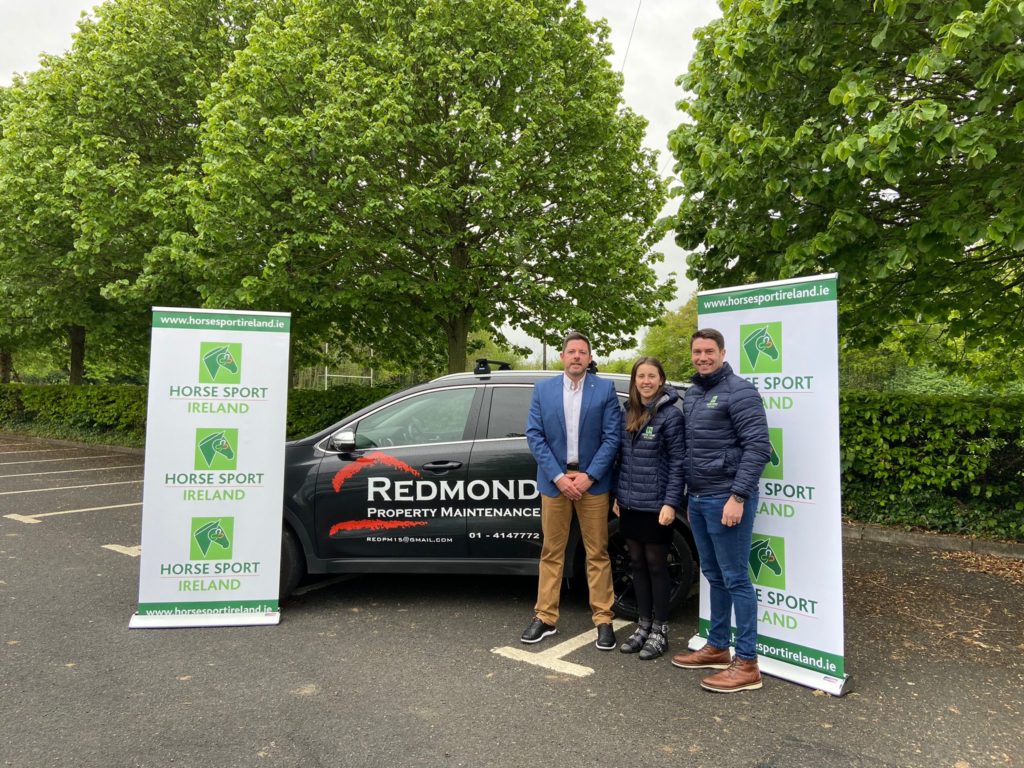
637, 413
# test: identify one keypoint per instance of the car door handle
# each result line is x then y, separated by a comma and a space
440, 467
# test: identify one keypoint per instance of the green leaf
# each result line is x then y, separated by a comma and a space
879, 38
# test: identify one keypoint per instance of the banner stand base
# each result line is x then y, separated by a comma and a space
834, 686
154, 621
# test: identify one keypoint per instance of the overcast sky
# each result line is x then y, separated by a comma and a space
654, 52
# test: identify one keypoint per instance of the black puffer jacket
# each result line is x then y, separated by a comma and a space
650, 470
727, 443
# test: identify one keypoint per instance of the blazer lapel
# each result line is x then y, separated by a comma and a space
588, 396
556, 394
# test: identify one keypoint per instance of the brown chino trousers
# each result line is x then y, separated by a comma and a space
555, 519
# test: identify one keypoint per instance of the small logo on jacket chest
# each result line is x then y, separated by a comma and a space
647, 434
713, 402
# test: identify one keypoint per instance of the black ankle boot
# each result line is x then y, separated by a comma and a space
656, 643
636, 641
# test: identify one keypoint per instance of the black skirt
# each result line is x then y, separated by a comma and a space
644, 527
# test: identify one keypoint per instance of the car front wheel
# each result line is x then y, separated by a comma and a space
293, 563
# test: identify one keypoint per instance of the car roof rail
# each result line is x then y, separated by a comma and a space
483, 366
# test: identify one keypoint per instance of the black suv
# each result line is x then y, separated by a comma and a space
438, 478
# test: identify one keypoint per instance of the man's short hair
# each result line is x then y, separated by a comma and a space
575, 336
711, 334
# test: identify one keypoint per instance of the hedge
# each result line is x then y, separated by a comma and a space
945, 463
119, 412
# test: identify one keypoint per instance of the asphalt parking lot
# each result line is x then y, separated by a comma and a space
402, 671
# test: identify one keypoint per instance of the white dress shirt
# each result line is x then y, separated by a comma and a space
572, 402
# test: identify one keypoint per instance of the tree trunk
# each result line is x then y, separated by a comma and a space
5, 366
76, 337
458, 334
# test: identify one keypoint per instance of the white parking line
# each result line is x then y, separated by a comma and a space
70, 487
135, 551
64, 471
46, 461
552, 657
35, 518
38, 450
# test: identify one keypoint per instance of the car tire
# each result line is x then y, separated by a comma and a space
293, 563
680, 568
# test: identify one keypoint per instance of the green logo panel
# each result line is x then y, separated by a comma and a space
220, 363
768, 561
761, 348
216, 449
211, 538
773, 470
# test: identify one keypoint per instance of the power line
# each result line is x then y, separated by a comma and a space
631, 31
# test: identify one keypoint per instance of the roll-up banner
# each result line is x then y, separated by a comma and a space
214, 472
783, 337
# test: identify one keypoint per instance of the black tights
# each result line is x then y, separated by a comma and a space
650, 579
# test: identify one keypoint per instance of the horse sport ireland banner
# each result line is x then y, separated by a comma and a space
783, 338
214, 474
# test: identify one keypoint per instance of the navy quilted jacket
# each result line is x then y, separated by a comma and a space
650, 471
727, 443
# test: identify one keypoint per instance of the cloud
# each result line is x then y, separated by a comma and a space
661, 47
30, 29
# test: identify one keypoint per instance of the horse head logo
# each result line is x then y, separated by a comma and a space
217, 358
760, 342
214, 444
208, 535
763, 556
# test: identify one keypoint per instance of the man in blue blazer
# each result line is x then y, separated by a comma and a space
573, 432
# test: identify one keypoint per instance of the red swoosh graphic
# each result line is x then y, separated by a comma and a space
373, 525
369, 460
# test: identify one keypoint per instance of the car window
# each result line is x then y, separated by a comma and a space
509, 409
431, 417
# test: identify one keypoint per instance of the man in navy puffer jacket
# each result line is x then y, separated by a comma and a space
727, 448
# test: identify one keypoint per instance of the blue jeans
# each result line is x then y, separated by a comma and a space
724, 553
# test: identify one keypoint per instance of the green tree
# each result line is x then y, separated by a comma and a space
882, 141
94, 147
927, 360
41, 280
669, 340
8, 334
409, 171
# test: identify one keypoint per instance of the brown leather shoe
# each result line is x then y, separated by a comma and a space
742, 675
707, 657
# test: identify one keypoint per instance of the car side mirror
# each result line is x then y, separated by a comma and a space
344, 441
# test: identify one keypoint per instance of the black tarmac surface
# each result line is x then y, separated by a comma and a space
398, 671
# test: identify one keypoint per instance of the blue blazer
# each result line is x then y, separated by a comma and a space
600, 431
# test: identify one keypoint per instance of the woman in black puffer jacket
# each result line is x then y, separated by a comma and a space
649, 491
